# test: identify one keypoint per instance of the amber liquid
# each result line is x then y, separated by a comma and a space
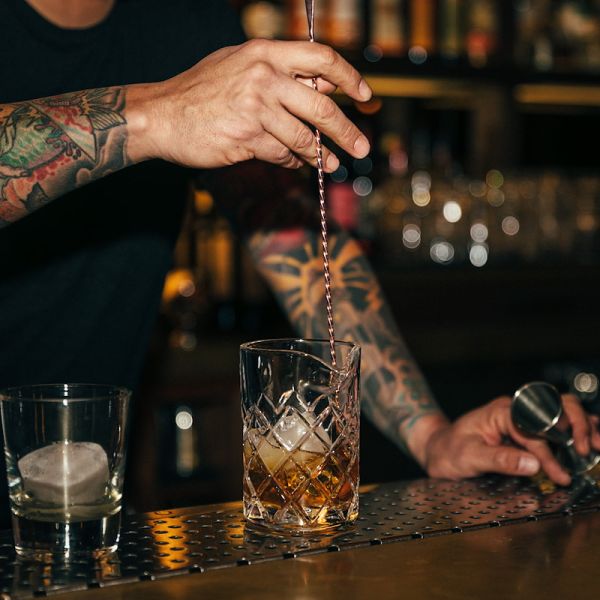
301, 490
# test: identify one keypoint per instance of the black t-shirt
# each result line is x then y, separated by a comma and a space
80, 279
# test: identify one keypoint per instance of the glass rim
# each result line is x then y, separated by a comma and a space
107, 391
255, 344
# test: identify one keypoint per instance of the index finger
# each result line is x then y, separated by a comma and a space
311, 59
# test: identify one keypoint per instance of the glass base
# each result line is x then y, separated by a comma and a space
49, 540
267, 527
289, 520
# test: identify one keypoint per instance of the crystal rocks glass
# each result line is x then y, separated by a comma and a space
300, 433
65, 450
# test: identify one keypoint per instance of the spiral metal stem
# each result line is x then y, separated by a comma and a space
310, 13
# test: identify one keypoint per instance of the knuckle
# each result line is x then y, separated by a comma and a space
250, 104
325, 108
304, 139
258, 46
502, 403
329, 56
261, 72
282, 156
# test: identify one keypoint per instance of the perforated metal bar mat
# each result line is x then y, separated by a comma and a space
192, 540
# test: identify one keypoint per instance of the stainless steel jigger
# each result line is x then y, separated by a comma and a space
537, 411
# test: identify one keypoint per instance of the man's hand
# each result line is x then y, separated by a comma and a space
249, 101
475, 444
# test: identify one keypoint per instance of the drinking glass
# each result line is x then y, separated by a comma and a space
65, 448
301, 433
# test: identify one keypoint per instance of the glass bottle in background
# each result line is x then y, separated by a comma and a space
422, 30
482, 31
185, 297
587, 203
387, 36
221, 266
546, 195
450, 26
344, 24
576, 35
533, 35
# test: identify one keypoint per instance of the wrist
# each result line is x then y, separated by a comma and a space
423, 435
143, 114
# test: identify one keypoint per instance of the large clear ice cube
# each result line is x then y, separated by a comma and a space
295, 433
66, 473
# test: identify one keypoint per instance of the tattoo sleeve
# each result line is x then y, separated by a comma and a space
51, 146
394, 393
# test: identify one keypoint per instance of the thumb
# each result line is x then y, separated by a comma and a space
506, 460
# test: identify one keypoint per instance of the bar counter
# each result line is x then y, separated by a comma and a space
482, 538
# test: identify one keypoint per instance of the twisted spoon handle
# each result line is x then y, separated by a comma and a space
310, 13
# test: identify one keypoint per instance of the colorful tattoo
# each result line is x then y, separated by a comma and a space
53, 145
394, 393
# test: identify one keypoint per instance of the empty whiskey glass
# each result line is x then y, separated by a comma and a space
65, 450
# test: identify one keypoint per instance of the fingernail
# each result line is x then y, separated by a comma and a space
361, 146
528, 465
565, 479
332, 163
364, 89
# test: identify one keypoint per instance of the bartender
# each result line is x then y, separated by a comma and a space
102, 104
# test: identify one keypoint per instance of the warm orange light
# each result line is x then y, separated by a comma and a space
370, 107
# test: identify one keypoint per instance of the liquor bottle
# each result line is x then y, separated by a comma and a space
221, 259
422, 30
388, 27
215, 261
482, 31
450, 29
344, 24
576, 33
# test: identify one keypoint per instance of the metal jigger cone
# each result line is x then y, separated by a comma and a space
537, 411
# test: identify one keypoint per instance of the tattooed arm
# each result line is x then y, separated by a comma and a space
394, 394
238, 103
53, 145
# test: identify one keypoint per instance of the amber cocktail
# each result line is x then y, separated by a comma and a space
301, 433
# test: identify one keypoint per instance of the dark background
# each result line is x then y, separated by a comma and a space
529, 313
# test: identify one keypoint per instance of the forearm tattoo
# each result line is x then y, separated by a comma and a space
53, 145
394, 394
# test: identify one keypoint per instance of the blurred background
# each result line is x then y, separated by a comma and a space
479, 208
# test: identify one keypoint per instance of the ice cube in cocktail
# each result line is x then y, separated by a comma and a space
301, 433
296, 476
